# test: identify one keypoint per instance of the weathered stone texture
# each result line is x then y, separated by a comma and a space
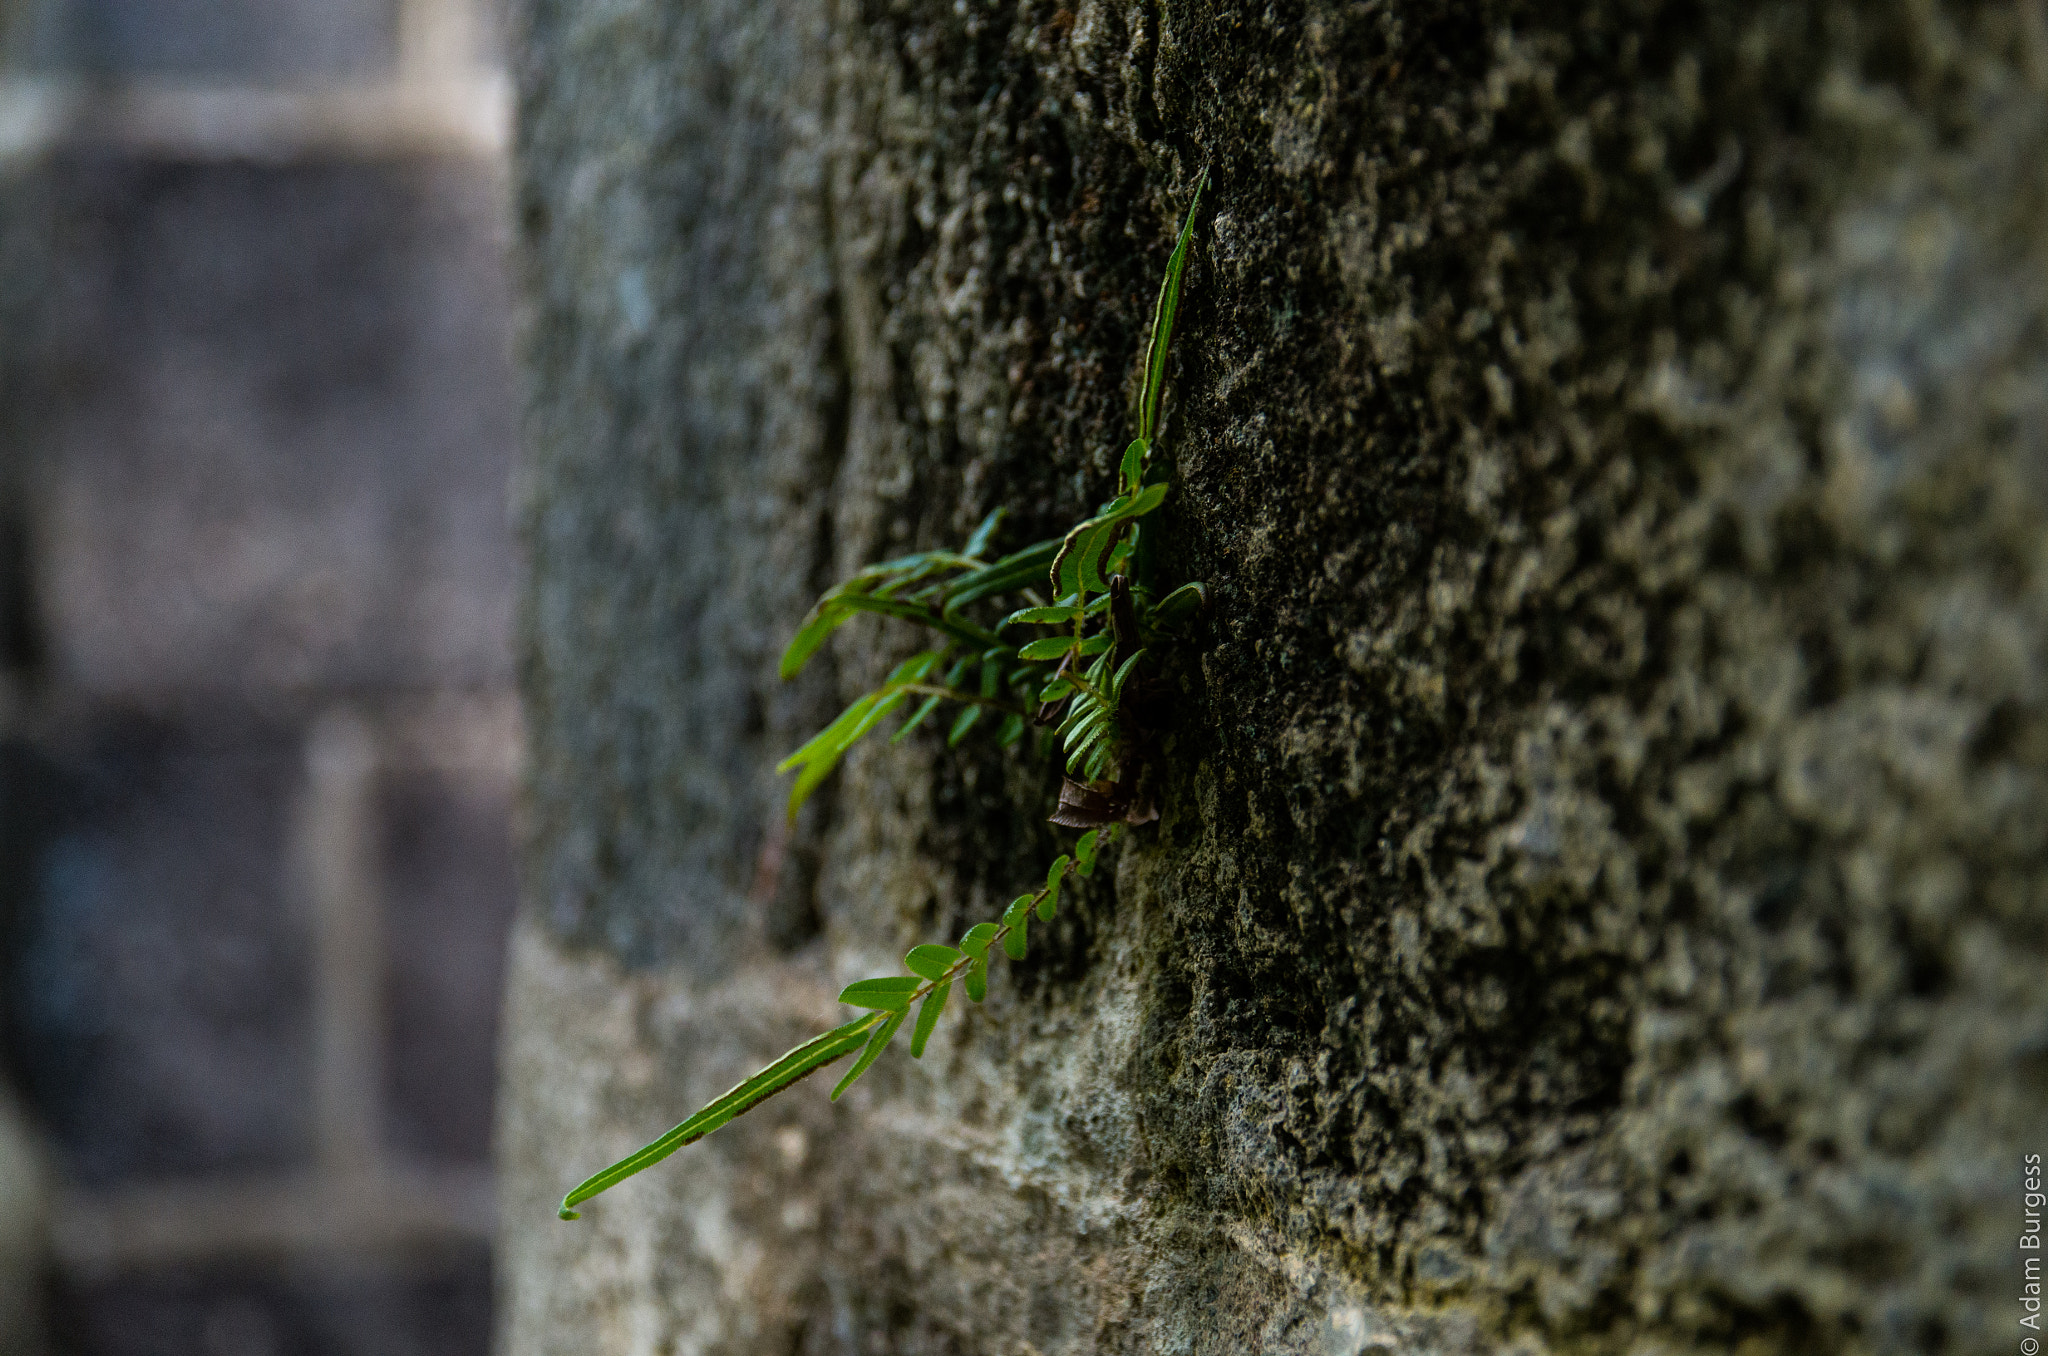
1600, 903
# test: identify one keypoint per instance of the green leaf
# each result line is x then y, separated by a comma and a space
1095, 644
964, 632
1132, 473
1050, 647
1097, 761
1012, 572
1085, 706
1054, 690
925, 708
914, 669
832, 736
930, 960
1084, 853
962, 725
1092, 761
927, 1018
1066, 567
823, 750
1163, 314
984, 534
1040, 616
901, 570
1012, 730
1147, 499
812, 1055
886, 994
975, 943
1078, 568
1016, 918
877, 1043
1054, 877
977, 978
1123, 674
1096, 551
1089, 727
882, 708
1178, 605
824, 618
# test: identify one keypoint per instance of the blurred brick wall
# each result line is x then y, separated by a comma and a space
257, 738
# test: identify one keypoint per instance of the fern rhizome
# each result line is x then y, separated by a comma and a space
1075, 666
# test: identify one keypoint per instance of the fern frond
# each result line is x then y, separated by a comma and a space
1080, 680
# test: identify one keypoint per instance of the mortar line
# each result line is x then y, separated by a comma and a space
337, 857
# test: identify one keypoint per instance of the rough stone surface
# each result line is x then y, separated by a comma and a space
1600, 902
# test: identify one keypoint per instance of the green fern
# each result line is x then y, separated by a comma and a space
1069, 661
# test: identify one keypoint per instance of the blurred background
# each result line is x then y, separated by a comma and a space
257, 735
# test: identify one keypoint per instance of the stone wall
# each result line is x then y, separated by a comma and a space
1599, 903
257, 737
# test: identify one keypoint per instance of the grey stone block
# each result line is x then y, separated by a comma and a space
161, 987
279, 458
226, 41
432, 1306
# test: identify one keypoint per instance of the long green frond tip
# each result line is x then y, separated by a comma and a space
1013, 571
823, 750
917, 718
962, 723
1040, 616
808, 1058
824, 619
1163, 314
977, 544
